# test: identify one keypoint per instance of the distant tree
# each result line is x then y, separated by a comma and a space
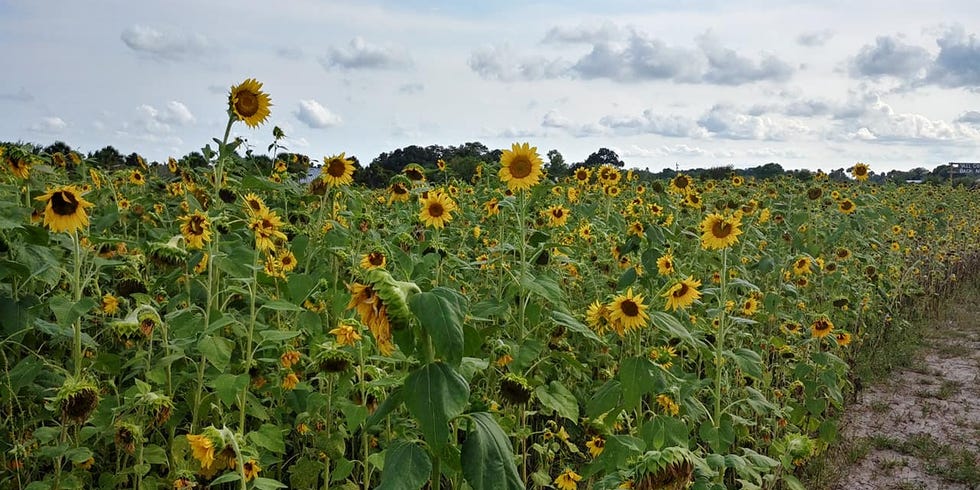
604, 156
193, 160
556, 166
58, 147
838, 175
108, 159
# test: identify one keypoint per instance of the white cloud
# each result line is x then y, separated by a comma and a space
554, 119
360, 54
503, 63
51, 124
315, 115
174, 114
882, 123
170, 45
725, 121
651, 122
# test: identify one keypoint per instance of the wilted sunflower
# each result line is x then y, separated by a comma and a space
492, 207
860, 171
65, 209
337, 170
627, 312
266, 225
248, 103
382, 304
821, 327
567, 480
21, 167
414, 172
847, 206
202, 446
373, 260
251, 469
720, 232
437, 209
196, 229
346, 334
596, 445
520, 167
682, 294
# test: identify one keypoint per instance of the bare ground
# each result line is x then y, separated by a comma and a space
920, 428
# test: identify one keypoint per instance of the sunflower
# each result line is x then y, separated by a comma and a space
253, 204
337, 170
397, 191
202, 447
567, 480
635, 229
21, 167
749, 307
247, 102
627, 312
346, 334
251, 469
596, 445
373, 260
719, 232
266, 226
437, 209
843, 253
557, 215
196, 229
665, 264
414, 172
682, 294
843, 339
738, 180
492, 207
597, 317
860, 171
821, 327
582, 175
847, 206
290, 381
65, 209
680, 184
287, 260
520, 167
801, 266
110, 304
136, 178
669, 406
172, 165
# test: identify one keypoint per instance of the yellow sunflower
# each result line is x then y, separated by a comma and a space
251, 469
847, 206
582, 175
398, 192
64, 210
738, 180
196, 229
597, 317
665, 264
437, 209
21, 167
346, 335
202, 447
860, 171
681, 184
373, 260
557, 215
596, 445
248, 103
266, 225
843, 339
136, 178
801, 266
719, 231
682, 294
253, 204
520, 167
821, 327
627, 312
337, 170
567, 480
749, 307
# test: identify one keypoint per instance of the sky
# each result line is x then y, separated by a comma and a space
666, 84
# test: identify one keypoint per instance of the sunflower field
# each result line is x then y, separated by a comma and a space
231, 326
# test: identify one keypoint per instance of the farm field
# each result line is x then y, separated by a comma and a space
236, 325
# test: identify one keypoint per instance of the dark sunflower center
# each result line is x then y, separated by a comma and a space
860, 171
668, 265
630, 308
246, 103
376, 259
582, 175
286, 260
821, 325
399, 189
254, 205
558, 213
520, 167
196, 225
336, 168
681, 291
681, 182
721, 229
800, 263
846, 205
64, 203
413, 174
436, 210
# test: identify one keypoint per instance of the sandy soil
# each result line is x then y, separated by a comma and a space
922, 425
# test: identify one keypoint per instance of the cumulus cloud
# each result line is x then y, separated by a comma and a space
164, 120
882, 123
554, 119
360, 54
314, 115
51, 124
169, 45
815, 38
629, 55
727, 122
969, 117
958, 61
651, 122
889, 56
504, 64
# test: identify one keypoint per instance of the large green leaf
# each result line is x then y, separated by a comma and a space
672, 326
407, 467
638, 377
487, 456
269, 437
217, 350
441, 312
605, 399
555, 396
434, 395
569, 322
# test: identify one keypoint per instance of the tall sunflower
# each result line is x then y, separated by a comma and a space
520, 167
65, 209
266, 225
557, 215
248, 103
681, 184
682, 294
196, 229
337, 170
719, 232
437, 209
860, 171
628, 312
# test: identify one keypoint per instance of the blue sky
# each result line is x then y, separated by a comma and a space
805, 84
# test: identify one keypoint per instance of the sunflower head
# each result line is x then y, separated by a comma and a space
520, 167
515, 389
394, 295
437, 208
719, 231
78, 398
860, 171
65, 209
337, 170
247, 102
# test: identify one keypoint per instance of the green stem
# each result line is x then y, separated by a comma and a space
720, 338
248, 340
78, 287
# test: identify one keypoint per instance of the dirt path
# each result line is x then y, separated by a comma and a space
920, 429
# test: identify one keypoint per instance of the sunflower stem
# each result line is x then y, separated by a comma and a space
77, 292
720, 338
248, 340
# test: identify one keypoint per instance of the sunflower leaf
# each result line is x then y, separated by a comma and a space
434, 395
487, 456
407, 467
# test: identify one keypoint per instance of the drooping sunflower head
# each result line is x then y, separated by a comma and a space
247, 102
414, 172
337, 170
515, 389
78, 398
520, 167
65, 210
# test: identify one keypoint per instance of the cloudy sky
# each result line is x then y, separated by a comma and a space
808, 84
